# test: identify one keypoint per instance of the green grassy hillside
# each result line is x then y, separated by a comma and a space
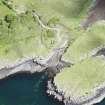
21, 36
89, 40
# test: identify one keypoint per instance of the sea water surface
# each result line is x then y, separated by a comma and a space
26, 89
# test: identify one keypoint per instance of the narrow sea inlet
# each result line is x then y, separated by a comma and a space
26, 89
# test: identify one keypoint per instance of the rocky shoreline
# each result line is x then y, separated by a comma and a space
96, 96
32, 66
53, 65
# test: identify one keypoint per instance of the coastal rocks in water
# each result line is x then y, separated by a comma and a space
51, 90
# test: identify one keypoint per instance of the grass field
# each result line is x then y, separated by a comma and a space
80, 79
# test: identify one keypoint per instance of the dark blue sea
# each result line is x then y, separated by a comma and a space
26, 89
